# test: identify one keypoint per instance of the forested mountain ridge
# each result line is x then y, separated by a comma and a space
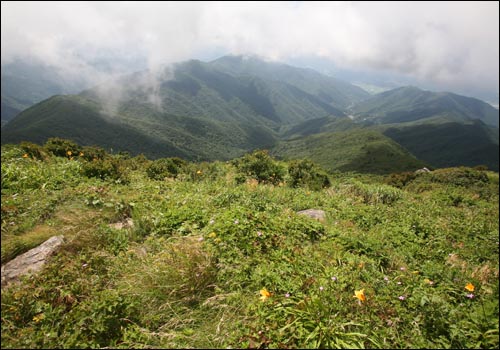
227, 107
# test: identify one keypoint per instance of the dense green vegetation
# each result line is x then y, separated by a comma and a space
218, 256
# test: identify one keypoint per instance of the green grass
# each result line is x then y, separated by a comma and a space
190, 272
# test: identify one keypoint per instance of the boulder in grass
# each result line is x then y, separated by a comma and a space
422, 171
30, 262
316, 214
128, 223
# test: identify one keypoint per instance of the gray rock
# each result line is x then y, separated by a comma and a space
120, 225
30, 262
314, 213
421, 171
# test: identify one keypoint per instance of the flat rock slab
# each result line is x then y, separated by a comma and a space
30, 262
314, 213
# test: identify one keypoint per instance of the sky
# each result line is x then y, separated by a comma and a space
443, 46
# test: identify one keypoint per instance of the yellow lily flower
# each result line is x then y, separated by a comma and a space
360, 294
470, 287
264, 294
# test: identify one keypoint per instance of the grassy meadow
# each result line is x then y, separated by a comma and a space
217, 256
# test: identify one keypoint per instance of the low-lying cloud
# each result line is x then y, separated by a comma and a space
450, 45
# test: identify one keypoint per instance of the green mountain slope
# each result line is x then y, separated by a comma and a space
156, 135
316, 126
81, 121
408, 104
198, 109
333, 91
362, 150
449, 144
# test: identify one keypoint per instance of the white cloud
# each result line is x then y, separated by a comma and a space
450, 44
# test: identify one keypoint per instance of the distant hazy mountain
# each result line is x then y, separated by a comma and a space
407, 104
336, 92
26, 83
232, 105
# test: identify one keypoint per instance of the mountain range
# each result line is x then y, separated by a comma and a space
227, 107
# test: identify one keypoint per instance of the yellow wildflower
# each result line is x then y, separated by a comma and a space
470, 287
81, 154
69, 153
38, 318
198, 172
360, 294
212, 234
264, 294
25, 155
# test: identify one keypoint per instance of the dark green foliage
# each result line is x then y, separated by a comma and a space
462, 176
138, 162
107, 168
260, 166
165, 167
481, 167
400, 180
91, 153
62, 147
33, 150
307, 174
204, 171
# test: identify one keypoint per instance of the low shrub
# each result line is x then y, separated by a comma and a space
459, 176
307, 174
33, 150
260, 166
62, 147
91, 153
108, 168
400, 180
165, 167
